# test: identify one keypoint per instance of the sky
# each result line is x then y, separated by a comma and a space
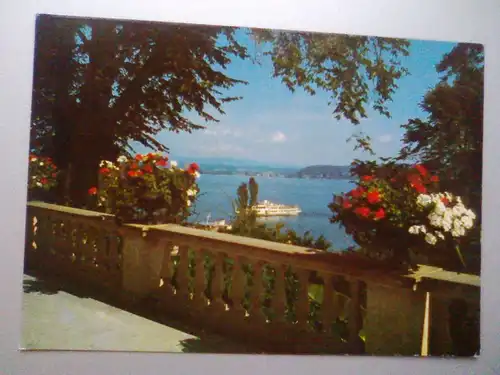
274, 126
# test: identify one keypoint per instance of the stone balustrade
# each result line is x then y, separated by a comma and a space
252, 290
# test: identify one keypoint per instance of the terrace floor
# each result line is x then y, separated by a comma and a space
55, 319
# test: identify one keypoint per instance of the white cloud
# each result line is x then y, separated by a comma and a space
386, 138
222, 149
222, 130
278, 137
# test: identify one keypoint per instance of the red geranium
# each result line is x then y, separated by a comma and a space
380, 214
362, 211
104, 170
148, 168
134, 173
358, 192
445, 200
92, 191
419, 188
193, 168
434, 179
421, 169
414, 179
139, 157
373, 197
346, 203
162, 162
366, 178
44, 181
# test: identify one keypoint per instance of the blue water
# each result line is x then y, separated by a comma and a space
313, 196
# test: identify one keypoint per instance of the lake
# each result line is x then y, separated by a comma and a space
313, 196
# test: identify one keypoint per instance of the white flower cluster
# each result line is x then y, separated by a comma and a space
453, 217
191, 192
107, 164
122, 159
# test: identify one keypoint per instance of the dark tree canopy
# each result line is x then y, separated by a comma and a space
100, 84
450, 139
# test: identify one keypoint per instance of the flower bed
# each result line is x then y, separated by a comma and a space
399, 214
146, 189
42, 176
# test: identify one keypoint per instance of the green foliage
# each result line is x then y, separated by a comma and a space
450, 140
145, 191
100, 84
353, 70
398, 211
42, 173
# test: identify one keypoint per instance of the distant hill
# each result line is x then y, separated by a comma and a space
225, 166
325, 171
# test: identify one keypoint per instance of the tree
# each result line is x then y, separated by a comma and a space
450, 139
245, 221
100, 84
353, 69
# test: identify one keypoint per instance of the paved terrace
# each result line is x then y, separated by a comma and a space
57, 319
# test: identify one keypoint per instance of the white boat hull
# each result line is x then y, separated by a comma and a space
266, 214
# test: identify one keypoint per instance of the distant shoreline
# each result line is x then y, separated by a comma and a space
319, 172
273, 175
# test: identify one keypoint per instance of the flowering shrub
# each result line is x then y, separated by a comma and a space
145, 189
447, 216
42, 173
398, 210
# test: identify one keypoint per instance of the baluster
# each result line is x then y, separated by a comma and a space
114, 266
47, 235
113, 261
68, 241
302, 305
30, 253
238, 286
199, 279
183, 272
54, 235
279, 297
64, 248
78, 249
92, 235
100, 248
256, 313
30, 232
47, 238
218, 283
329, 307
355, 317
166, 273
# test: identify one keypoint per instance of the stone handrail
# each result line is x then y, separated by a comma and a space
254, 290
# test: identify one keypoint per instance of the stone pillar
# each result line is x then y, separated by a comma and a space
441, 342
142, 263
394, 320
